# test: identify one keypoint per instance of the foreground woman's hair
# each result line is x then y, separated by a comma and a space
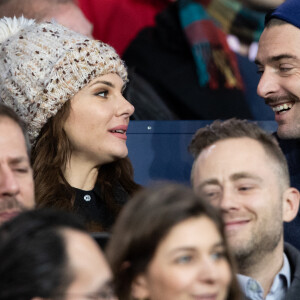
142, 225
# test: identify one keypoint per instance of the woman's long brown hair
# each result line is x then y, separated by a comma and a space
49, 158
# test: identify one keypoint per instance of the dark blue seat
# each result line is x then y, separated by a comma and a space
158, 149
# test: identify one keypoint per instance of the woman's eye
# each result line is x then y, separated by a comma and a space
218, 255
102, 94
183, 259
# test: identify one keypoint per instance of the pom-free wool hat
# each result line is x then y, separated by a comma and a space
44, 65
288, 11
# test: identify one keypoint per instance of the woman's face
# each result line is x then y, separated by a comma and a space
189, 263
98, 120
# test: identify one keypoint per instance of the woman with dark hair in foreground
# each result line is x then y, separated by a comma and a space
169, 244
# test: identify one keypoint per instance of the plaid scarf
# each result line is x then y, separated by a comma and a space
202, 21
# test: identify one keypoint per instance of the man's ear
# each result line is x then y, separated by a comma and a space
139, 288
290, 204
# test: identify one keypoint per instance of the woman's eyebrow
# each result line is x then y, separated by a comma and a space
108, 83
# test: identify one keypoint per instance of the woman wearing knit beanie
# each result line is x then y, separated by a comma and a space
68, 89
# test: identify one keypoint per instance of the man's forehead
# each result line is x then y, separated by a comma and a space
234, 177
229, 153
12, 140
229, 142
8, 122
81, 245
279, 40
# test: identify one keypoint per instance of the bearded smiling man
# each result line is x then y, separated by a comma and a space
241, 169
278, 62
16, 181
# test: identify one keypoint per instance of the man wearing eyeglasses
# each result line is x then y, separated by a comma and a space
47, 254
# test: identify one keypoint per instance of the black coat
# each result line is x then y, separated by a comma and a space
291, 150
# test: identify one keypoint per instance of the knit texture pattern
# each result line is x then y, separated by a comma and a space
44, 65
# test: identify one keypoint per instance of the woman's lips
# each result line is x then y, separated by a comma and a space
119, 131
122, 136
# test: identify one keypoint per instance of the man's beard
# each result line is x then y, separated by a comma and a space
254, 250
11, 204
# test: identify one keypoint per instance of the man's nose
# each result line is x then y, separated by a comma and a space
229, 200
268, 85
9, 185
207, 270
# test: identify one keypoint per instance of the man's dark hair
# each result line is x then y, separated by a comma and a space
235, 128
33, 255
9, 113
275, 22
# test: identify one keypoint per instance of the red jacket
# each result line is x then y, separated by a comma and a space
116, 22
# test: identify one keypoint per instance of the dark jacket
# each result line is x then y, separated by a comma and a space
97, 214
291, 150
293, 256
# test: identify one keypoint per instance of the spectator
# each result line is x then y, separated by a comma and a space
198, 64
169, 244
65, 12
241, 169
16, 181
277, 61
49, 255
68, 88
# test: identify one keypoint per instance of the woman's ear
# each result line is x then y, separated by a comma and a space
139, 288
290, 204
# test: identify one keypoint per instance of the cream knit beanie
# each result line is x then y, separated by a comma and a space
44, 65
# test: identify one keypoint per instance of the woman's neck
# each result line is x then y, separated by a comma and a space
81, 174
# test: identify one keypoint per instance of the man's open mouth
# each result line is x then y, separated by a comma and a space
280, 108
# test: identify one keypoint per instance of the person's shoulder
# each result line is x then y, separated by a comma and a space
291, 250
293, 255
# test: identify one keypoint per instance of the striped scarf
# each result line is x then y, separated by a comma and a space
202, 21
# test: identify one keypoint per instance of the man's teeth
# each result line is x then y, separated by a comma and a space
119, 131
282, 107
